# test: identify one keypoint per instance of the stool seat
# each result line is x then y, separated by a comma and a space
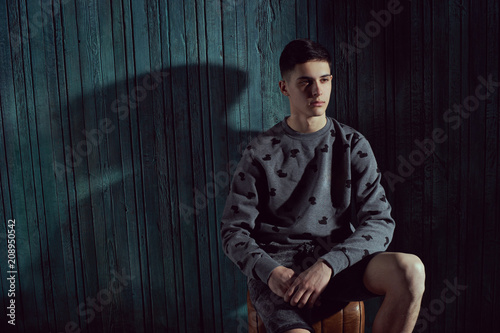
349, 319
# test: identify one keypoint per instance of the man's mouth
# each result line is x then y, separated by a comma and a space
317, 103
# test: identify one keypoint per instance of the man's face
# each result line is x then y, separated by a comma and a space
308, 88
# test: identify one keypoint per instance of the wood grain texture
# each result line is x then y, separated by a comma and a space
121, 121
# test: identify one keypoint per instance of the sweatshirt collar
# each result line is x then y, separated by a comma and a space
306, 136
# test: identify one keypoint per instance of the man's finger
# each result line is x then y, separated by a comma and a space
291, 290
304, 299
289, 293
299, 294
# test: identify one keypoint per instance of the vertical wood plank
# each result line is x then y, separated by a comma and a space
420, 125
50, 120
379, 130
364, 75
206, 220
19, 160
65, 161
476, 161
203, 279
491, 155
177, 214
218, 138
464, 167
455, 94
163, 161
404, 133
350, 114
7, 102
439, 176
326, 37
428, 117
254, 77
233, 129
127, 234
340, 61
492, 148
145, 51
136, 38
183, 146
88, 181
302, 18
110, 24
107, 178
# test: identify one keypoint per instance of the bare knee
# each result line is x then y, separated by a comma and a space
394, 273
297, 330
412, 273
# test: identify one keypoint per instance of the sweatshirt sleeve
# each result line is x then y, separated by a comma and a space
239, 220
374, 224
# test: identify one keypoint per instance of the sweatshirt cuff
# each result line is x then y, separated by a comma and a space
264, 266
337, 260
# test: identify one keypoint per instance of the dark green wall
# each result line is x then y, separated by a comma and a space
120, 121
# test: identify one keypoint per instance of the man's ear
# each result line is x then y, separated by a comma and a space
283, 87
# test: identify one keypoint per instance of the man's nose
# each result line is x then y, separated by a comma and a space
316, 89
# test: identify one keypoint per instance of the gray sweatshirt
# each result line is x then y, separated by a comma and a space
291, 188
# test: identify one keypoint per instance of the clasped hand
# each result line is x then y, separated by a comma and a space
303, 289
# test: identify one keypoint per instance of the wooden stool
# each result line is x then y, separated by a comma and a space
350, 319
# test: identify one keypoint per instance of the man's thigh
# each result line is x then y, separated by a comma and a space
349, 285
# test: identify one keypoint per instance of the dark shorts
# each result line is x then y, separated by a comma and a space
279, 316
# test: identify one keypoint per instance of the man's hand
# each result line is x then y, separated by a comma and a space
280, 280
309, 285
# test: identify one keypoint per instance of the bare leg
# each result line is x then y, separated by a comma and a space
401, 278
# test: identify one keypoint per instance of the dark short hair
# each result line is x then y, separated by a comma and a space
300, 51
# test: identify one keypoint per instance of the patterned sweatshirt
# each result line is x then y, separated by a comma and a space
292, 188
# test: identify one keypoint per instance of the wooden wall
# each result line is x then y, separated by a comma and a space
120, 121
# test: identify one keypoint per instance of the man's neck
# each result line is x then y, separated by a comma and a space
306, 124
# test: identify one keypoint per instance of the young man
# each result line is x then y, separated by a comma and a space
288, 216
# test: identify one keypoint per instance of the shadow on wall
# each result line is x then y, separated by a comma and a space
126, 156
